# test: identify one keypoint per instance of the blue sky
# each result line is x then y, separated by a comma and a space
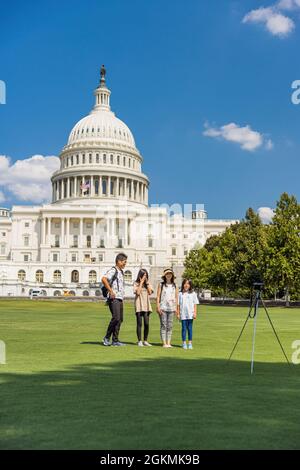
176, 69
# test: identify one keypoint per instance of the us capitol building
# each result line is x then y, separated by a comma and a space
99, 208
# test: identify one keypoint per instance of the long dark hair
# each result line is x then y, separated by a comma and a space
141, 274
190, 283
164, 280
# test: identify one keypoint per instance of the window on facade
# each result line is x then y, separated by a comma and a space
26, 257
185, 235
129, 162
39, 276
111, 159
100, 257
83, 159
2, 248
92, 276
72, 160
96, 186
118, 160
97, 157
57, 276
26, 224
90, 158
74, 257
173, 235
77, 159
88, 241
21, 275
150, 260
55, 257
75, 276
185, 251
3, 234
104, 158
87, 258
173, 251
150, 242
26, 240
75, 241
57, 241
85, 293
128, 276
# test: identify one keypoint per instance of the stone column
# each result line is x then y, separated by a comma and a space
75, 187
43, 237
68, 232
132, 190
94, 233
80, 233
62, 232
108, 187
57, 190
92, 188
100, 186
49, 231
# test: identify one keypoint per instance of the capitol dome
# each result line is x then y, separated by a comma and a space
101, 124
100, 159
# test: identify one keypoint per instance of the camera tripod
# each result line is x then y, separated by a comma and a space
252, 314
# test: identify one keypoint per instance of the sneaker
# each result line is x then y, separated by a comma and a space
106, 341
140, 343
165, 346
184, 346
147, 344
169, 346
190, 346
118, 343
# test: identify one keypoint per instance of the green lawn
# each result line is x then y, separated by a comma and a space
61, 389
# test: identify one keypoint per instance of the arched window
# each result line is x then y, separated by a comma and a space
97, 186
57, 276
85, 293
75, 276
128, 276
92, 276
21, 275
72, 292
57, 293
98, 293
39, 276
104, 186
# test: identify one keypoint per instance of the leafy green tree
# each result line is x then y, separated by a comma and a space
283, 257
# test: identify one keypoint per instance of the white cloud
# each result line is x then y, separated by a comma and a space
274, 21
246, 137
266, 214
28, 179
2, 197
288, 4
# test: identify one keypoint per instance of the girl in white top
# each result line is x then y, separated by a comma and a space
187, 301
167, 305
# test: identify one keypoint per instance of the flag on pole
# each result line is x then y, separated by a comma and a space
85, 186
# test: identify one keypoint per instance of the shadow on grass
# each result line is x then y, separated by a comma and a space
162, 403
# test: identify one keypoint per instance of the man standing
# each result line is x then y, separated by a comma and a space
114, 283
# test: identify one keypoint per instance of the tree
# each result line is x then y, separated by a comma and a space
283, 257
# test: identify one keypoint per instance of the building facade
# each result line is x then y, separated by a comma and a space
99, 208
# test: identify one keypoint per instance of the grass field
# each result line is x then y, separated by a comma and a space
61, 389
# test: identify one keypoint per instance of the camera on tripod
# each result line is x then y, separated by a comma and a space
258, 285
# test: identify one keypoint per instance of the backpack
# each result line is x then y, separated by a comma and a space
104, 289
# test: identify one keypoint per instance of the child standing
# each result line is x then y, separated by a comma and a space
142, 290
188, 301
167, 305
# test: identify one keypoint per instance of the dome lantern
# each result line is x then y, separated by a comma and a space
102, 94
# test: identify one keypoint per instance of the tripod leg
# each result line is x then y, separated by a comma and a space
234, 347
254, 335
277, 337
